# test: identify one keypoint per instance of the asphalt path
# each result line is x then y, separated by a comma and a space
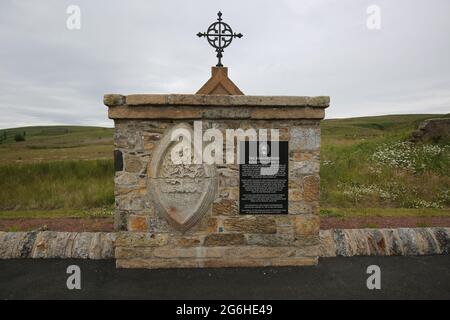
334, 278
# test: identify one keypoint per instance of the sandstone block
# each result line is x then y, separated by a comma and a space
133, 163
226, 208
120, 220
138, 223
306, 225
112, 100
131, 253
294, 261
311, 188
327, 246
186, 241
142, 263
304, 138
234, 263
224, 239
197, 253
250, 224
270, 240
258, 252
297, 169
302, 207
227, 193
295, 195
135, 239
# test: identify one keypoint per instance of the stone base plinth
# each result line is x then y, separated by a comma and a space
140, 263
152, 251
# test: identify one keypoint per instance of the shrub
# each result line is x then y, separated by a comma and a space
19, 137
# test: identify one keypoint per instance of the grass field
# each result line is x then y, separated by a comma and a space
367, 169
368, 163
44, 144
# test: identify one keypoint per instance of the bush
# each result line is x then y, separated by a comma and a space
19, 137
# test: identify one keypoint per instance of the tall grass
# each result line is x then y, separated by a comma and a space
386, 171
56, 185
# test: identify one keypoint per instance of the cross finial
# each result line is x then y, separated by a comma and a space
219, 36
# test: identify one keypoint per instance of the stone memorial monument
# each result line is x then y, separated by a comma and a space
216, 178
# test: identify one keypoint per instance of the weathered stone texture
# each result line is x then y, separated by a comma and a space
146, 250
304, 138
112, 100
135, 239
384, 242
51, 244
141, 124
189, 112
224, 239
138, 223
305, 225
250, 224
140, 263
327, 245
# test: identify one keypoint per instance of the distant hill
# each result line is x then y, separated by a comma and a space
360, 128
48, 143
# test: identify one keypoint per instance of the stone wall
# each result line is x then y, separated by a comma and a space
221, 237
384, 242
52, 245
332, 243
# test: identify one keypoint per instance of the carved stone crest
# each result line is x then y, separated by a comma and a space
182, 193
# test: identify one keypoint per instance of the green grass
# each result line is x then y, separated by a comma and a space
366, 163
57, 185
45, 144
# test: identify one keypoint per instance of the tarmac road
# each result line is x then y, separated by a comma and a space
334, 278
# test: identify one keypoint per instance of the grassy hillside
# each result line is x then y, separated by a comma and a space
366, 163
55, 143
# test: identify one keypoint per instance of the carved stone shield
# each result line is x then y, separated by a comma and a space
182, 193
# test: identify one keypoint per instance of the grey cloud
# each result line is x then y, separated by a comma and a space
50, 75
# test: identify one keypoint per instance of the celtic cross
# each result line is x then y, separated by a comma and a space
219, 36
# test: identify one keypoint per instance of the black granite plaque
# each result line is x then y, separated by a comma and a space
263, 192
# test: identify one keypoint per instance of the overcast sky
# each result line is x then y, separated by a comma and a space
52, 75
